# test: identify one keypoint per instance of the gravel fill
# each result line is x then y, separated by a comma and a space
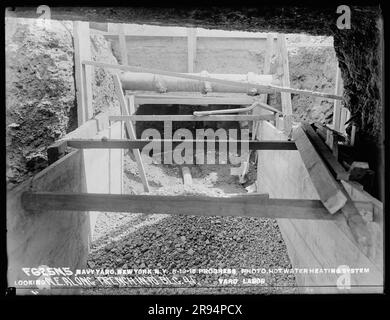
161, 241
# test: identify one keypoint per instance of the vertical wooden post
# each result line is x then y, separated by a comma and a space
263, 98
286, 96
122, 44
191, 47
266, 70
130, 129
83, 73
337, 103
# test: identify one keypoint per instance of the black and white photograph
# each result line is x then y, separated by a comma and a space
198, 150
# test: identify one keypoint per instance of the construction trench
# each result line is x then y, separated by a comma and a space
81, 93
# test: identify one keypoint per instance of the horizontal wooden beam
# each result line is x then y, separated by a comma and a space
188, 100
179, 117
183, 34
326, 154
248, 86
139, 144
246, 206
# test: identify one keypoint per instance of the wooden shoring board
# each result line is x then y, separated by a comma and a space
331, 139
83, 73
332, 193
258, 205
173, 117
130, 131
337, 104
311, 244
246, 85
328, 190
335, 167
140, 143
285, 96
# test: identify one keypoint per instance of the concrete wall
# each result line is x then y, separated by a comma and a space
317, 244
61, 238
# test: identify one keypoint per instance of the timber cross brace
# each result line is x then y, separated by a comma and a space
326, 174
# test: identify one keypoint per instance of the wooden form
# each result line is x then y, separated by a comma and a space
335, 167
140, 143
332, 193
83, 73
328, 190
248, 86
130, 131
319, 244
178, 117
240, 205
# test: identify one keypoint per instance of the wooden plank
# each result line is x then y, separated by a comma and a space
285, 96
248, 86
337, 103
140, 143
181, 33
335, 167
122, 45
191, 48
311, 244
83, 73
130, 131
200, 100
328, 190
131, 105
246, 206
187, 178
161, 117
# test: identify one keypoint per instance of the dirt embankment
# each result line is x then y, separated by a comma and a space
40, 93
40, 90
313, 68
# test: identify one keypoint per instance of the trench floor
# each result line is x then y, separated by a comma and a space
130, 241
